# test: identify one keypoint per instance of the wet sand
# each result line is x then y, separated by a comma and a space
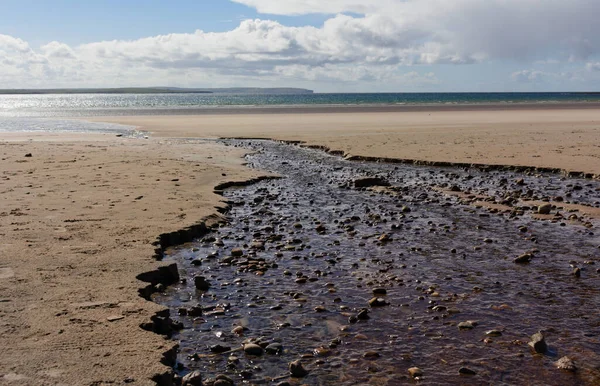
81, 215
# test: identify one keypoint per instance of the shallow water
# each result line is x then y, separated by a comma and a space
445, 262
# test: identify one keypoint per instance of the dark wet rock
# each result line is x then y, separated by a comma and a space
201, 283
253, 349
544, 209
196, 262
237, 252
321, 351
466, 371
192, 379
321, 228
274, 348
371, 355
378, 302
523, 259
577, 272
494, 333
297, 370
538, 343
565, 363
218, 349
239, 330
363, 314
384, 237
368, 182
379, 291
223, 380
467, 325
415, 372
28, 155
195, 311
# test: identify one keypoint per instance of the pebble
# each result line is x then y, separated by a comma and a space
466, 371
524, 258
371, 355
237, 252
493, 333
538, 343
297, 370
192, 379
565, 363
467, 325
415, 372
379, 291
201, 283
378, 302
544, 209
274, 348
253, 349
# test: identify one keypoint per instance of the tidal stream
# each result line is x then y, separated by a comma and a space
362, 284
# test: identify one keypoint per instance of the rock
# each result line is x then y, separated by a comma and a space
297, 370
468, 325
370, 181
378, 302
371, 355
321, 228
379, 291
363, 314
415, 372
218, 349
493, 333
223, 380
239, 330
253, 349
201, 283
192, 379
577, 272
538, 343
321, 351
384, 237
274, 348
523, 259
237, 252
466, 371
544, 209
28, 155
565, 363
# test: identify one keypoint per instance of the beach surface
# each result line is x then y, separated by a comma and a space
78, 220
564, 138
80, 215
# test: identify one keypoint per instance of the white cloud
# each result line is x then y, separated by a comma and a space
593, 66
368, 42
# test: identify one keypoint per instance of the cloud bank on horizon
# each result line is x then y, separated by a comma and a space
377, 45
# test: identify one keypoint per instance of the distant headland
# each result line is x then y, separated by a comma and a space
157, 90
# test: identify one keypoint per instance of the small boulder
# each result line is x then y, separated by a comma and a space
201, 283
544, 209
253, 349
415, 372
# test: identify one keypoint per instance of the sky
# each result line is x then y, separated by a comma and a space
323, 45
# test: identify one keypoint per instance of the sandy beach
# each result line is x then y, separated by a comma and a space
80, 214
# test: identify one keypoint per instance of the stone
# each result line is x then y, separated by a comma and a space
239, 330
237, 252
218, 349
467, 325
192, 379
253, 349
466, 371
274, 348
493, 333
565, 363
544, 209
201, 283
371, 355
415, 372
523, 259
297, 370
379, 291
378, 302
538, 343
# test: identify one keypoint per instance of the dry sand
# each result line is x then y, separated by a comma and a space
557, 138
79, 216
77, 223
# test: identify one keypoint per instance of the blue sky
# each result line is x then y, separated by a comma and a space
333, 45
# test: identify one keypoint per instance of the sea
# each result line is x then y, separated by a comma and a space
54, 112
